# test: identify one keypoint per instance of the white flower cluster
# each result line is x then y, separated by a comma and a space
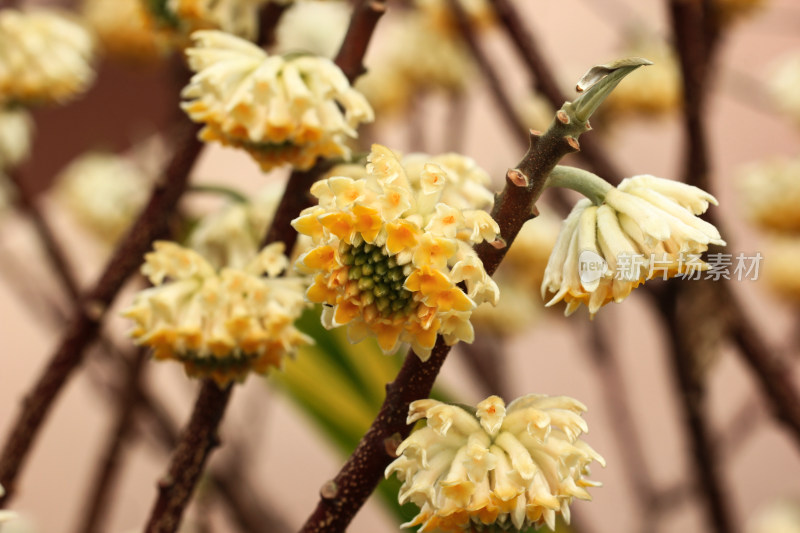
645, 216
281, 109
219, 324
45, 57
516, 466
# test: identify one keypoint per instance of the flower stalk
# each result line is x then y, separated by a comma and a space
588, 184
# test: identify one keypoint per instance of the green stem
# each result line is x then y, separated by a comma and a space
588, 184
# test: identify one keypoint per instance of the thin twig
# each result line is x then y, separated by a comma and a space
507, 111
295, 198
54, 252
485, 359
85, 322
189, 459
545, 82
363, 21
98, 503
634, 466
697, 34
691, 392
268, 19
772, 371
456, 120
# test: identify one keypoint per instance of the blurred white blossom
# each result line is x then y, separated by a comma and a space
770, 193
316, 27
104, 191
45, 57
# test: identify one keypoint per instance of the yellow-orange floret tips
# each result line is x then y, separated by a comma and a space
388, 255
494, 467
220, 324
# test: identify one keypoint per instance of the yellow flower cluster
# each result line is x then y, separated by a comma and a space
45, 57
514, 467
281, 110
391, 248
647, 227
219, 324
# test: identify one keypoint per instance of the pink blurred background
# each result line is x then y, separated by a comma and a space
293, 459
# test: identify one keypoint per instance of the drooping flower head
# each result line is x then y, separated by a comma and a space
389, 250
514, 466
219, 324
645, 228
45, 57
281, 109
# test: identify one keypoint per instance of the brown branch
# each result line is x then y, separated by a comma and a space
85, 322
268, 18
773, 373
486, 360
359, 33
228, 480
364, 469
544, 81
295, 198
54, 252
189, 459
684, 358
612, 386
694, 50
98, 503
697, 33
507, 111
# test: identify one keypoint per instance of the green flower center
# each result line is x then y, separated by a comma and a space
380, 279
